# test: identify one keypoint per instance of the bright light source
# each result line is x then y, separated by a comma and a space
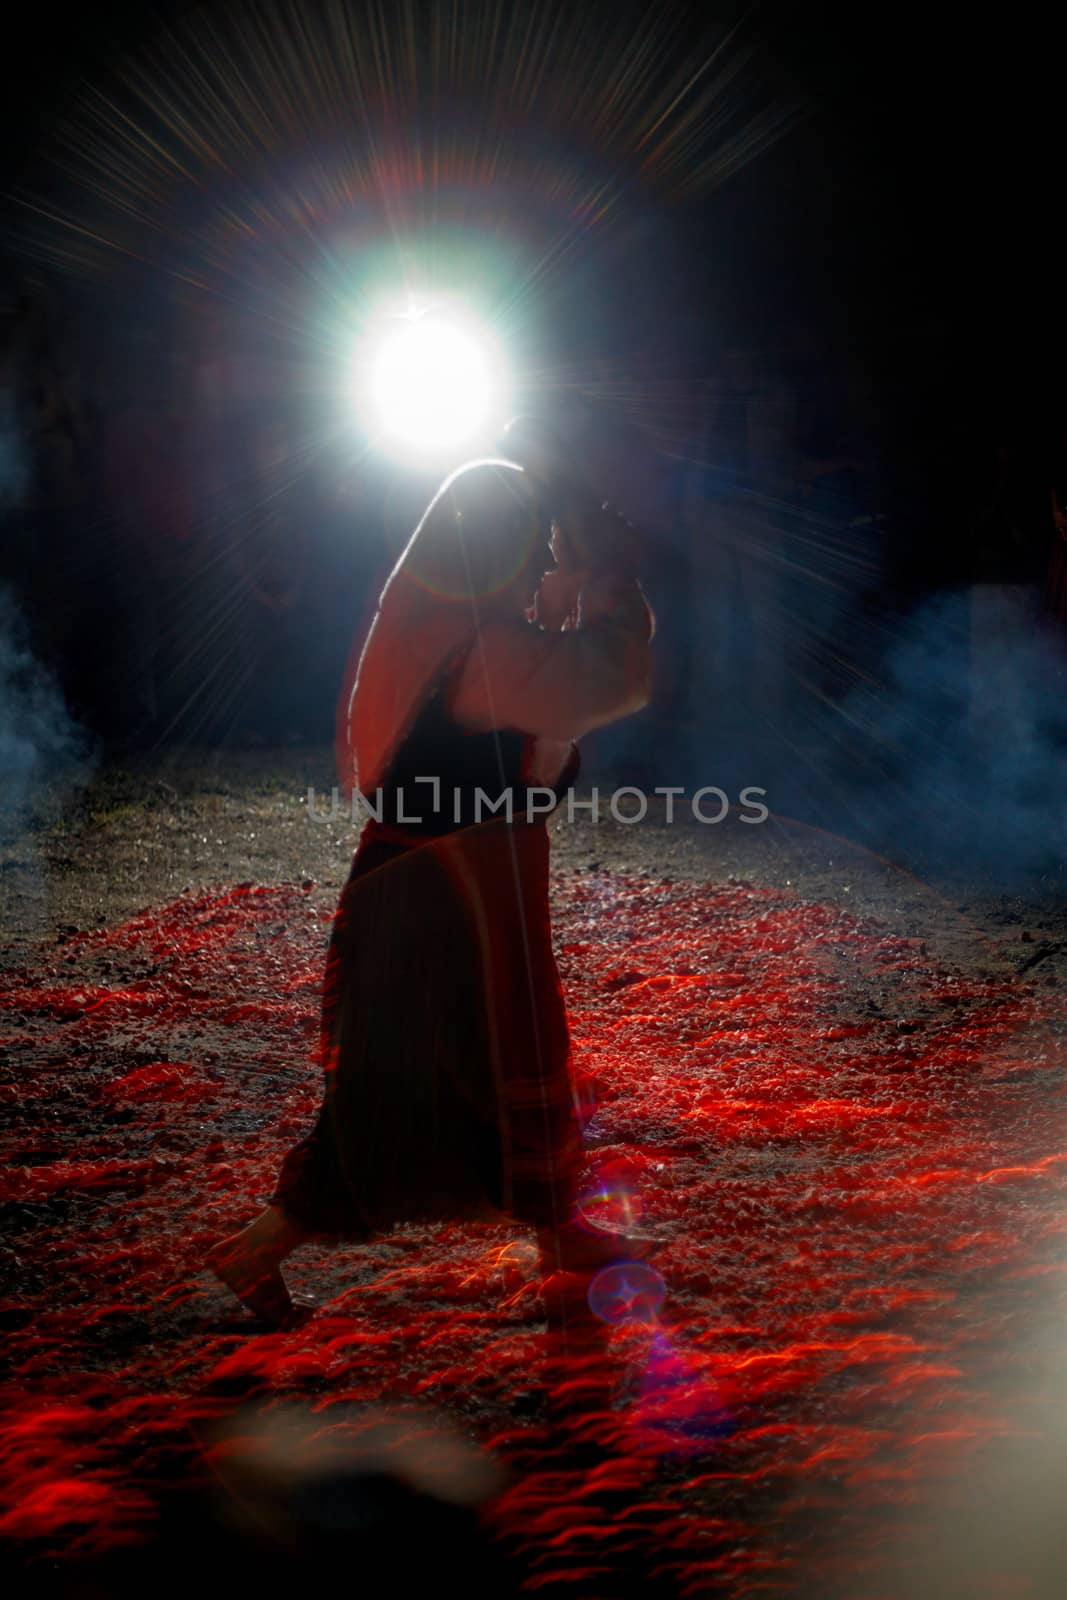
434, 386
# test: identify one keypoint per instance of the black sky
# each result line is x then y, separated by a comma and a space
925, 186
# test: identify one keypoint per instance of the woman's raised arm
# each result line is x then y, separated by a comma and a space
561, 685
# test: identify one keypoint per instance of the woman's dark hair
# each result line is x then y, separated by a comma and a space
482, 527
536, 446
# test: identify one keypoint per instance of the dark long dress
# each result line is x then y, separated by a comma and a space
444, 1035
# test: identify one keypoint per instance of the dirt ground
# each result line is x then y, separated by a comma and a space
86, 854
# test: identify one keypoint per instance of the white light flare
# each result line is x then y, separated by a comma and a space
432, 386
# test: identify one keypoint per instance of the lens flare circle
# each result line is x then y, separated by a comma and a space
434, 386
612, 1201
627, 1291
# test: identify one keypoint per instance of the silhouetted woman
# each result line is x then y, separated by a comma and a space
444, 1037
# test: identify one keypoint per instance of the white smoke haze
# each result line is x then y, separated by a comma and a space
38, 737
45, 757
964, 738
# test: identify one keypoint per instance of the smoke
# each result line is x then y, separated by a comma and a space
937, 738
960, 750
44, 758
38, 737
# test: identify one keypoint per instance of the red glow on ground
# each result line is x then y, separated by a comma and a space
861, 1189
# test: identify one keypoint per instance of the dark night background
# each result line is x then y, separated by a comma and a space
925, 185
902, 230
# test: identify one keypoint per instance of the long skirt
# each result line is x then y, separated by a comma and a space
447, 1059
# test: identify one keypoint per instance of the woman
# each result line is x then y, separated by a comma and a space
444, 1036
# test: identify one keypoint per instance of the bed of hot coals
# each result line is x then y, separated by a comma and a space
854, 1160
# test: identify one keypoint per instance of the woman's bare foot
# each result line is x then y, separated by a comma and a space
262, 1289
248, 1263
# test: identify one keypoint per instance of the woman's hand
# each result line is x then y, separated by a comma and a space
555, 605
592, 545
